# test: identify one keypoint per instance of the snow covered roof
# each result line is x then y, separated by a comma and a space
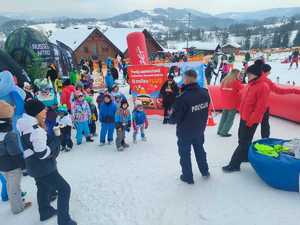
74, 36
118, 36
233, 44
208, 46
71, 36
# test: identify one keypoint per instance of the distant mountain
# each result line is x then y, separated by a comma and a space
4, 19
261, 15
170, 17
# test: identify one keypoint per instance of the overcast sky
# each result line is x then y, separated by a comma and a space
104, 8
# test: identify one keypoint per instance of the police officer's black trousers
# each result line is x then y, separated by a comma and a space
184, 148
45, 185
265, 125
245, 139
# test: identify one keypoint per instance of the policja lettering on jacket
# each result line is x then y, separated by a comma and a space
199, 107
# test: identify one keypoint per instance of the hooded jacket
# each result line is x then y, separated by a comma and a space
40, 151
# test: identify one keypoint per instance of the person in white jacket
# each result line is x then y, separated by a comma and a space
40, 153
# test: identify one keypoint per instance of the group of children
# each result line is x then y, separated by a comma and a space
112, 112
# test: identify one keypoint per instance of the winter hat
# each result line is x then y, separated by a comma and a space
266, 68
256, 68
88, 99
124, 101
67, 82
34, 107
7, 111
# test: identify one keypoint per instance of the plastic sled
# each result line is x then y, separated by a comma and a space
280, 173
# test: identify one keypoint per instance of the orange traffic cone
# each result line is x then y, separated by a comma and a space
210, 121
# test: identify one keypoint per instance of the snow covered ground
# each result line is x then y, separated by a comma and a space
140, 186
282, 71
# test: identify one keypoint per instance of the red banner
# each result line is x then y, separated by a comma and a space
145, 83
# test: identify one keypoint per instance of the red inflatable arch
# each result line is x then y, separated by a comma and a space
283, 106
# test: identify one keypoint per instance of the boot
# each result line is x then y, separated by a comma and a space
89, 139
120, 149
185, 180
125, 145
206, 176
230, 169
50, 214
72, 222
225, 135
165, 121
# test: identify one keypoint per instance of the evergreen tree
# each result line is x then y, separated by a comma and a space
297, 39
247, 44
276, 40
285, 40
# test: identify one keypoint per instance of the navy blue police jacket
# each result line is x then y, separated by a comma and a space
190, 112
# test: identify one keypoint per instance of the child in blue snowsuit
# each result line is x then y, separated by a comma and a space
123, 124
107, 119
109, 81
139, 121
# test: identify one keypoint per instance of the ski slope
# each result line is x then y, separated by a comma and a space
140, 186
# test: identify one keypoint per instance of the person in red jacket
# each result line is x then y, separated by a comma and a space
265, 125
252, 109
66, 94
230, 91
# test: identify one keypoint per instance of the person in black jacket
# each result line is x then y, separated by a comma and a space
190, 113
52, 73
168, 92
11, 159
40, 156
114, 73
209, 72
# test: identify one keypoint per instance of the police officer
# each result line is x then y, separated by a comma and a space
190, 113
